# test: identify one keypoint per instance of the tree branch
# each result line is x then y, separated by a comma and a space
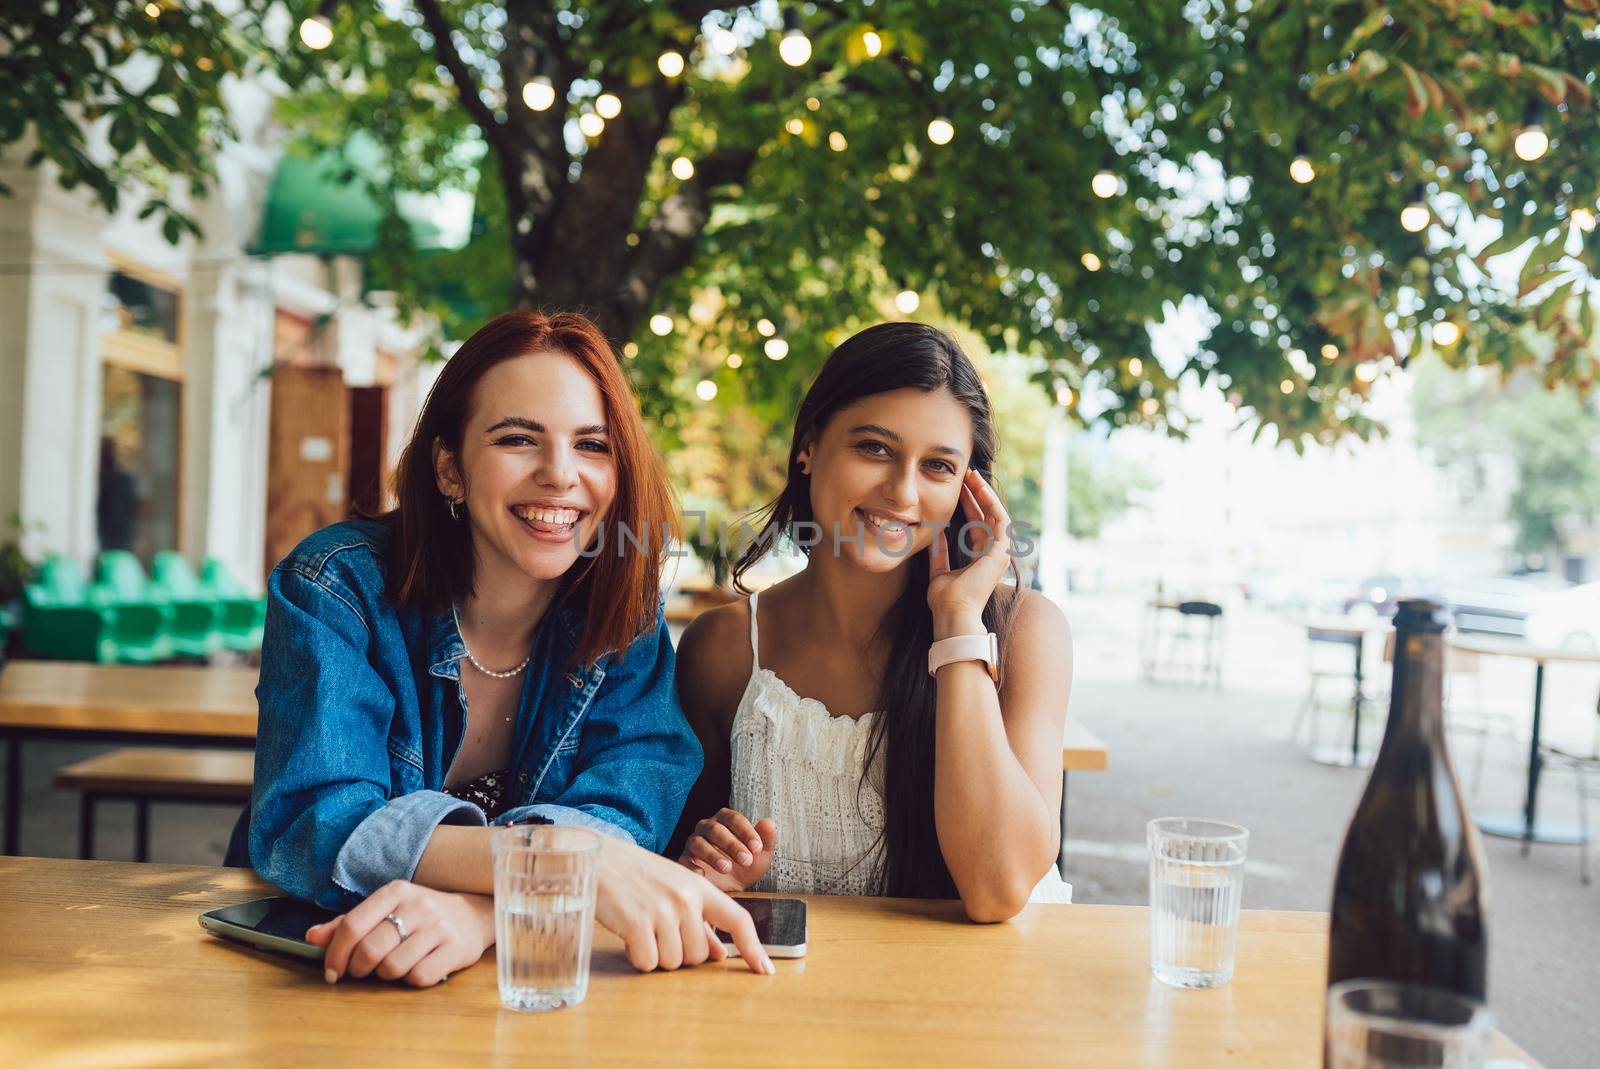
497, 133
667, 243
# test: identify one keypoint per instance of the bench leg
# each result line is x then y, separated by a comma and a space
141, 830
86, 804
13, 843
1061, 858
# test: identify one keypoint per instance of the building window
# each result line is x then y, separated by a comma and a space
140, 479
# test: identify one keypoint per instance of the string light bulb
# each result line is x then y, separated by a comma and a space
794, 47
1531, 142
1330, 351
609, 105
1135, 366
1091, 262
723, 41
591, 124
1415, 216
316, 32
153, 10
705, 389
1149, 406
660, 324
1367, 372
765, 328
1301, 171
775, 348
941, 130
1446, 333
539, 93
1104, 183
670, 63
735, 360
795, 126
683, 168
630, 350
872, 44
1064, 396
907, 301
837, 142
1286, 386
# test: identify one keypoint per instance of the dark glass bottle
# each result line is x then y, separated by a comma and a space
1409, 895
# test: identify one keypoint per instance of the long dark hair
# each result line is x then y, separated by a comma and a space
895, 356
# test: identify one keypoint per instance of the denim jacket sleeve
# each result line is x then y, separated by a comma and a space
637, 757
323, 825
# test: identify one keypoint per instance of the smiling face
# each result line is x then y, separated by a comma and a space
887, 470
535, 469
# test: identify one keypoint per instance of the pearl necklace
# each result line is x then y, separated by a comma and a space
507, 674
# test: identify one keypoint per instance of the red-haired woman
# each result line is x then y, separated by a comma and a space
484, 654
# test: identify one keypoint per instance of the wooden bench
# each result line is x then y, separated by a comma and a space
144, 775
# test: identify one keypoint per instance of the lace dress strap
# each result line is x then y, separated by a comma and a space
755, 636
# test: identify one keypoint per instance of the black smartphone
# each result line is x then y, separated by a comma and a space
780, 925
270, 923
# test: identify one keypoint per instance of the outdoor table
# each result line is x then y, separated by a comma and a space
1526, 824
1355, 634
105, 964
1082, 751
78, 702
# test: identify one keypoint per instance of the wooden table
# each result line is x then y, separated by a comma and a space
79, 702
1081, 752
1525, 824
106, 965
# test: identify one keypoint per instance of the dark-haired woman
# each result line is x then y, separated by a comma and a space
889, 720
483, 655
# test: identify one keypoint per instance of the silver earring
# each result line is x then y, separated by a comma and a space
455, 508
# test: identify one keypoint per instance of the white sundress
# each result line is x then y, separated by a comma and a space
799, 764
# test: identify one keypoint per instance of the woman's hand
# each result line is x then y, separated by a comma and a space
444, 932
730, 851
665, 913
957, 598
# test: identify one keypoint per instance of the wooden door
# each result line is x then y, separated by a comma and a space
368, 437
308, 455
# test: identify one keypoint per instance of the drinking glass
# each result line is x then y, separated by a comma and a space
544, 889
1380, 1024
1196, 877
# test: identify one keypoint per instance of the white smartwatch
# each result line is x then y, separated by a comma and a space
985, 648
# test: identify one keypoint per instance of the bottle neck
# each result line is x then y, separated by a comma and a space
1416, 704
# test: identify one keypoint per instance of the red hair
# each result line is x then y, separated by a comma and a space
429, 562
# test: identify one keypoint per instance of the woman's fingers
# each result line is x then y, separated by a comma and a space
411, 950
716, 951
373, 948
740, 825
732, 918
692, 937
669, 941
700, 849
938, 554
320, 935
439, 963
723, 839
357, 923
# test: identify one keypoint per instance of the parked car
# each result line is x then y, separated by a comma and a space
1496, 604
1569, 619
1376, 595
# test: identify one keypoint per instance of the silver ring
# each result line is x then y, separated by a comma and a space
399, 926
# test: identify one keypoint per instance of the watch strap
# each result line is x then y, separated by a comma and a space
985, 648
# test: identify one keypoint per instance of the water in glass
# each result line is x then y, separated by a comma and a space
544, 898
1196, 879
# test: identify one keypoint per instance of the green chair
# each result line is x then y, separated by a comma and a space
195, 610
64, 617
144, 617
243, 614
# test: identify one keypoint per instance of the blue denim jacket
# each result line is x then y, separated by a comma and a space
362, 712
